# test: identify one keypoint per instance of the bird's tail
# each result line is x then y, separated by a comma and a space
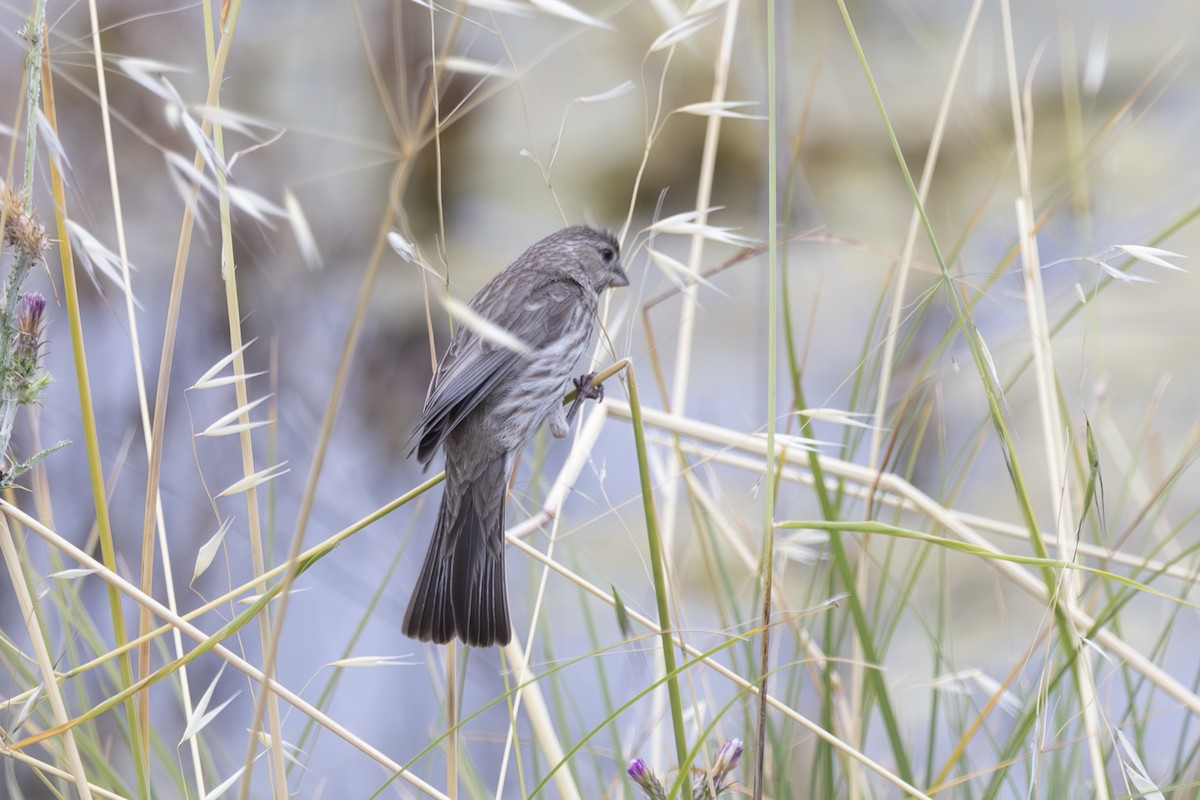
461, 590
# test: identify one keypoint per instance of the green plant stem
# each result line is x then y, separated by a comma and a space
8, 336
92, 441
768, 539
978, 355
658, 568
36, 35
873, 678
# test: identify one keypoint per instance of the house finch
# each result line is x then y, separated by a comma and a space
486, 400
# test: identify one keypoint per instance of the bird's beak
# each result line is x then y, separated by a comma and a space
619, 278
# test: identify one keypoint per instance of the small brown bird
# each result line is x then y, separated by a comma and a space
485, 402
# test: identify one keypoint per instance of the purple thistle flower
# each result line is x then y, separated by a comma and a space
646, 779
728, 756
33, 305
715, 779
25, 378
29, 319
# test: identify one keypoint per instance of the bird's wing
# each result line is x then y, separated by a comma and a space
473, 365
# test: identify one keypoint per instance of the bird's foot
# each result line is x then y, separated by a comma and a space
584, 390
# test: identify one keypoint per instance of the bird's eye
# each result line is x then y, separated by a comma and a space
607, 254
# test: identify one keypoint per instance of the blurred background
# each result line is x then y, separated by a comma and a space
533, 137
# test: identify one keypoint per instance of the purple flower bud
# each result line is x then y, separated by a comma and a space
645, 779
728, 756
33, 305
708, 785
25, 377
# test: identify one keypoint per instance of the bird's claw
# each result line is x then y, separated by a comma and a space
584, 390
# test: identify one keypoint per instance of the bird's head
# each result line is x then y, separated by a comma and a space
589, 256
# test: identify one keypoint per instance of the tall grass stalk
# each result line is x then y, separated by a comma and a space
658, 571
37, 637
138, 745
1052, 421
767, 561
143, 406
269, 629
